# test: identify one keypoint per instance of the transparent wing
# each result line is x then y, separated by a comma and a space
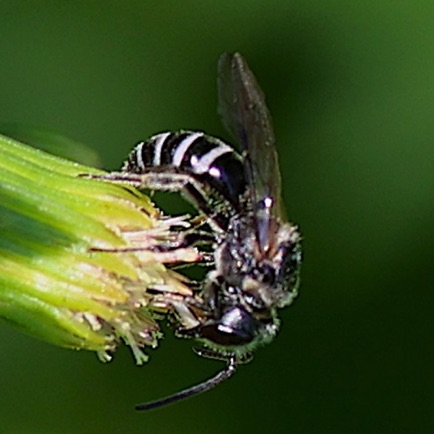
245, 115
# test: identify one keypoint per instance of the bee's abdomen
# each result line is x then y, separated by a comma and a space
208, 159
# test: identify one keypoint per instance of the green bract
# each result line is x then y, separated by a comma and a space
53, 282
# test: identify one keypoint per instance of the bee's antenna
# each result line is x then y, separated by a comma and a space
194, 390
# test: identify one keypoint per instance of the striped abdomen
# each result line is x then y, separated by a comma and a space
208, 160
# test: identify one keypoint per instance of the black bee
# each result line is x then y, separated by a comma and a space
256, 253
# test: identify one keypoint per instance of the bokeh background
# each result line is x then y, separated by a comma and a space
351, 88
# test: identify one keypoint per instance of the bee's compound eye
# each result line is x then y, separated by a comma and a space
235, 327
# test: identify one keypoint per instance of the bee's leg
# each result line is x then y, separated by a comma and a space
170, 178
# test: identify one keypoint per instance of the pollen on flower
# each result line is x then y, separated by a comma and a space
136, 322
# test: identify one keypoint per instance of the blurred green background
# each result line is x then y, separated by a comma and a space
351, 88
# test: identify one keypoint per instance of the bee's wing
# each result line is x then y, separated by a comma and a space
245, 115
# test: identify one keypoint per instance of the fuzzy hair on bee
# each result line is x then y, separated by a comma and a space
253, 252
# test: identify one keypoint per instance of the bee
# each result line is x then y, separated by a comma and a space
255, 254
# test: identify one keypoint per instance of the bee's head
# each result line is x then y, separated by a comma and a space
235, 327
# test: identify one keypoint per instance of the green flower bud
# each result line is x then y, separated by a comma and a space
77, 255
